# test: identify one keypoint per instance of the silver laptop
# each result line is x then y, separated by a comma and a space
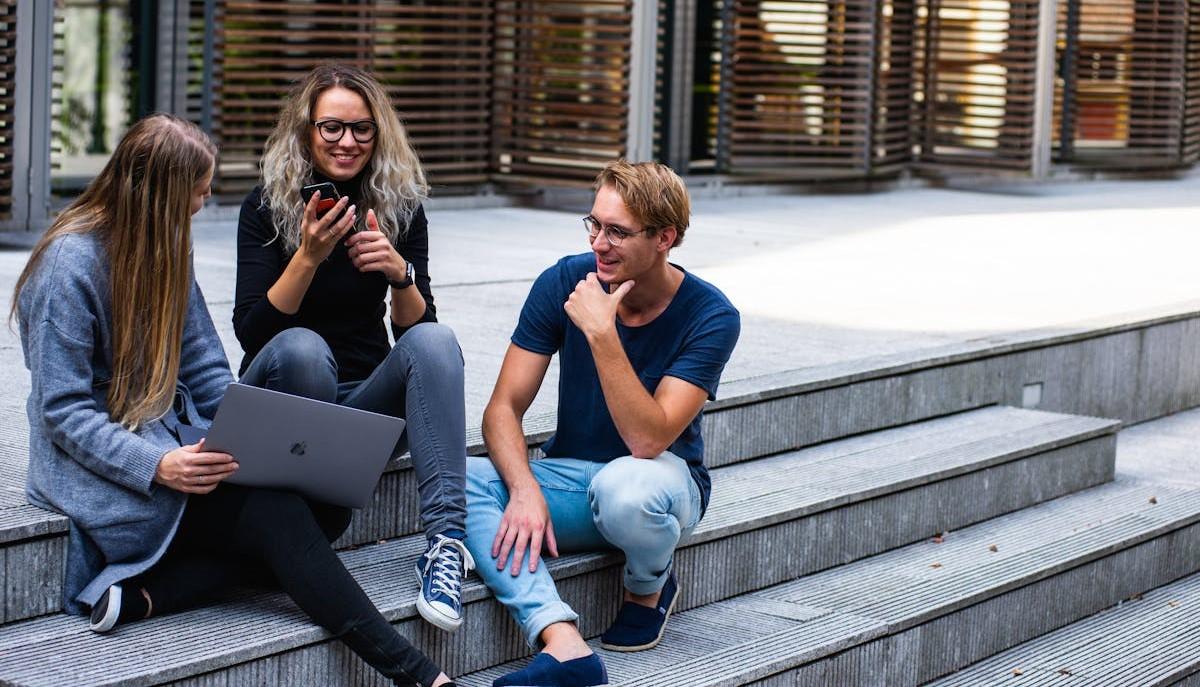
328, 452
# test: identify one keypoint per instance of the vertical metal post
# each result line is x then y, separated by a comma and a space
206, 87
1068, 73
171, 64
1043, 112
868, 153
147, 55
679, 80
725, 88
31, 133
642, 58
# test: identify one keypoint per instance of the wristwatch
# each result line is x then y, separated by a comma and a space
408, 278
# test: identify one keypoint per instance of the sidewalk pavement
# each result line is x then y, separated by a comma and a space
819, 279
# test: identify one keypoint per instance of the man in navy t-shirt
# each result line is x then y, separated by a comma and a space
641, 347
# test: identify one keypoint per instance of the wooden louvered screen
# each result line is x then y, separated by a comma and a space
561, 88
434, 59
976, 63
1191, 103
1123, 82
8, 57
800, 89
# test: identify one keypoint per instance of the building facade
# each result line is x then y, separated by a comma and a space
528, 93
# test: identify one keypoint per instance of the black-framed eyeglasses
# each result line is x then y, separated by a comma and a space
612, 233
332, 130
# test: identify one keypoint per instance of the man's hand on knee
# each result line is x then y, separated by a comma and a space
526, 525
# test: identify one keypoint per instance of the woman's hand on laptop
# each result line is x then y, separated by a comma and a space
193, 470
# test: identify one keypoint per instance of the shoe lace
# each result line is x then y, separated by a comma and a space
450, 561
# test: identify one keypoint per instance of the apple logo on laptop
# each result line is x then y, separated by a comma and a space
299, 448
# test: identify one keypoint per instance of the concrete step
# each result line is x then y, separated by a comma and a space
915, 613
843, 500
1128, 367
33, 540
1150, 640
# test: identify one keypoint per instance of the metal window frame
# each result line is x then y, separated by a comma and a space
678, 83
642, 62
171, 57
31, 120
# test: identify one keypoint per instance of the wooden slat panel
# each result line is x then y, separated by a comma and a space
434, 60
8, 58
801, 90
975, 63
561, 88
1126, 104
1191, 104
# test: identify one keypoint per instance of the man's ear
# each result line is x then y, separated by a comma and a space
666, 238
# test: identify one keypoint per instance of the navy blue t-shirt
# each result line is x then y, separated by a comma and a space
691, 340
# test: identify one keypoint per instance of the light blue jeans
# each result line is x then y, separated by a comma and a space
639, 506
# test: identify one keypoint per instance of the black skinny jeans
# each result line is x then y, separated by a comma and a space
240, 534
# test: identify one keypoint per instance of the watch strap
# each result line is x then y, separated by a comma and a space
409, 276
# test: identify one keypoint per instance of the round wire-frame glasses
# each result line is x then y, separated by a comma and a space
612, 233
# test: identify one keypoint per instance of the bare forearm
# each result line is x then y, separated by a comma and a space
505, 441
639, 419
287, 293
408, 306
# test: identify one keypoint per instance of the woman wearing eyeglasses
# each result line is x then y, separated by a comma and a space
316, 292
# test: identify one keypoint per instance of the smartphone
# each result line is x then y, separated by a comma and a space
329, 196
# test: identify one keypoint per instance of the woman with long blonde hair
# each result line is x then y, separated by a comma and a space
312, 291
125, 363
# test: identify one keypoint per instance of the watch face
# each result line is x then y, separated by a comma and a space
408, 278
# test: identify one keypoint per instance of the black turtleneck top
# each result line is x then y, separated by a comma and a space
345, 306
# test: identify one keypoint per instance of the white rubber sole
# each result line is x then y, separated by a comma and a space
112, 611
432, 615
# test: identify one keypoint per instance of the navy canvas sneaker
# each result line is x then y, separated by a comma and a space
440, 571
637, 627
547, 671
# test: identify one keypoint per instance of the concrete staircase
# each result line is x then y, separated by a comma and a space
1149, 640
887, 522
921, 611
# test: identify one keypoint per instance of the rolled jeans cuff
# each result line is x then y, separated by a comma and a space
645, 587
556, 612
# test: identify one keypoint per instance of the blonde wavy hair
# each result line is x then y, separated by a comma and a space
394, 183
140, 208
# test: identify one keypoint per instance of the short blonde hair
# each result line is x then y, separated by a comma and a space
653, 193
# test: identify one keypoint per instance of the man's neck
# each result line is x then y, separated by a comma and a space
651, 295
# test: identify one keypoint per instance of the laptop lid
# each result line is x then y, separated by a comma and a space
324, 451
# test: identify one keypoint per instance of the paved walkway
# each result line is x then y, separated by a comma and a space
819, 279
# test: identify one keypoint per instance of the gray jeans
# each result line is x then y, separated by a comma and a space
421, 380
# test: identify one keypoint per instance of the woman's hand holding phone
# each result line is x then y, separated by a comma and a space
371, 251
318, 235
192, 470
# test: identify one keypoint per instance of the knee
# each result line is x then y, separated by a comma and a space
299, 345
303, 364
630, 489
433, 345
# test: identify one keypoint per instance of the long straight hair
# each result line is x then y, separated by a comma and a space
394, 183
140, 208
